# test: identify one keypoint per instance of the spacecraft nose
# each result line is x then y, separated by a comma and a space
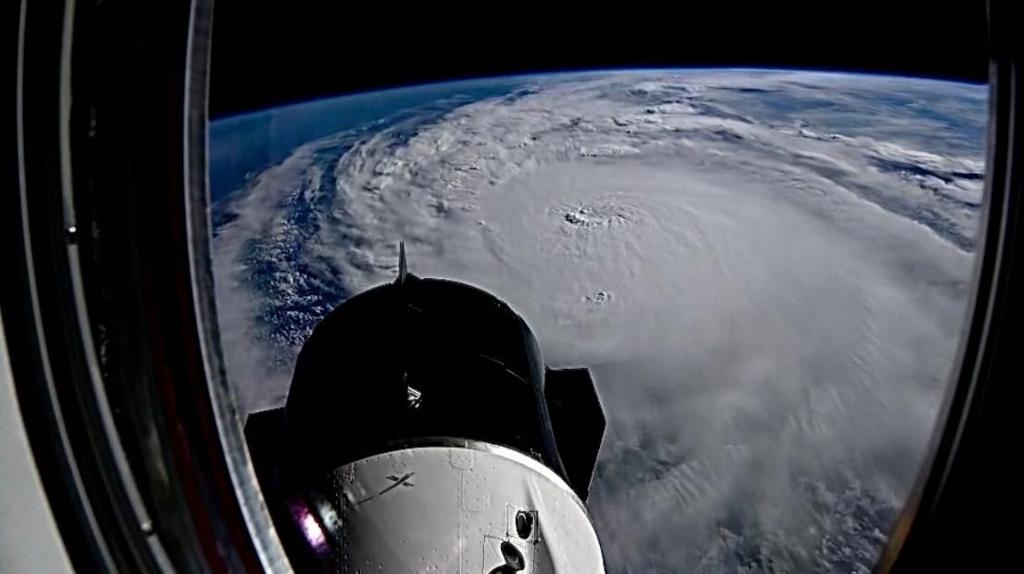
416, 358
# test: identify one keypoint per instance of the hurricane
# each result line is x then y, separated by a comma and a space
767, 273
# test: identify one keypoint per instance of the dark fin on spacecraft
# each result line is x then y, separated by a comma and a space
264, 434
402, 269
578, 422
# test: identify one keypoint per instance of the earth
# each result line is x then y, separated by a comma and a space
766, 271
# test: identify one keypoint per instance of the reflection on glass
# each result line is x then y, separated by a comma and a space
766, 272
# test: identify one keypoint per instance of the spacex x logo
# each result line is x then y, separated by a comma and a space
396, 481
404, 481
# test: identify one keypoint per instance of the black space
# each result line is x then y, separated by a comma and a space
269, 52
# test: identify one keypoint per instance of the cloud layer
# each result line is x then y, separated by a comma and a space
766, 272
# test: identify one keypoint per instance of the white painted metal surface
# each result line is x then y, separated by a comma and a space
472, 508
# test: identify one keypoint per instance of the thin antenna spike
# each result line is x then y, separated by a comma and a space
402, 269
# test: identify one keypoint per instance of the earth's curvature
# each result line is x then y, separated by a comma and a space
766, 271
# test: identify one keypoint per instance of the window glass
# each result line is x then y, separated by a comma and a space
765, 271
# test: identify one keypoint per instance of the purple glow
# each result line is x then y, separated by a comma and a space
309, 525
